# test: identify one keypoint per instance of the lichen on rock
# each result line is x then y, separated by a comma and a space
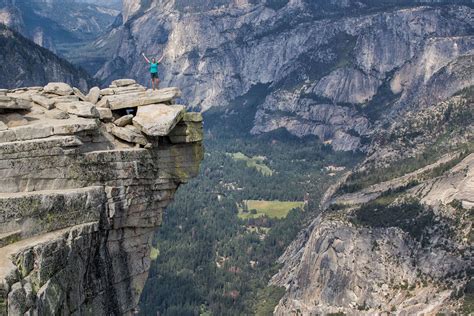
81, 196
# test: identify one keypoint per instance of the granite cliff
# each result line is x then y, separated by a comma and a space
395, 235
337, 69
84, 181
23, 63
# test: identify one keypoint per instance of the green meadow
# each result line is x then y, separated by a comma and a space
256, 162
272, 209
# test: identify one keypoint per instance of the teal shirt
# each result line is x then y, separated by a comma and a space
153, 68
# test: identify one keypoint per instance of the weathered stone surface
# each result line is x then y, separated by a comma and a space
45, 102
3, 126
44, 130
13, 119
79, 206
105, 114
123, 82
124, 120
78, 93
57, 114
377, 266
58, 88
79, 108
103, 103
65, 98
122, 101
11, 103
186, 132
158, 119
192, 117
93, 95
78, 211
106, 91
129, 89
131, 135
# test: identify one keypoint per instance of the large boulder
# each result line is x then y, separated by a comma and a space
124, 120
79, 108
78, 93
158, 119
105, 114
123, 82
56, 114
45, 102
59, 88
123, 101
93, 95
65, 98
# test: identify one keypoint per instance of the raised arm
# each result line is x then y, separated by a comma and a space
159, 60
147, 60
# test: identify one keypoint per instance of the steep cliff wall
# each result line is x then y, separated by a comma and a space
396, 233
83, 187
23, 63
331, 69
53, 23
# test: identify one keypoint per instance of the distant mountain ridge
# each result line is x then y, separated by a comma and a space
24, 63
56, 23
334, 69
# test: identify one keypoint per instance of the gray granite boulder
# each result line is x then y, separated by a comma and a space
158, 119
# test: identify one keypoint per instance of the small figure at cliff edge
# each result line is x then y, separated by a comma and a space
155, 80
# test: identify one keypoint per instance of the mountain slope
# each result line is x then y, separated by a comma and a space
333, 70
59, 25
396, 235
24, 63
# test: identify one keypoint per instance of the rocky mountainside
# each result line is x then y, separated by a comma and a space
396, 233
58, 25
24, 63
114, 4
84, 180
333, 69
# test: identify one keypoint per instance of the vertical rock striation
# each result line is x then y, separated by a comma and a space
79, 203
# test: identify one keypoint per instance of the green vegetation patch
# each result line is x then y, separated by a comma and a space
267, 299
272, 209
154, 253
410, 216
256, 162
361, 180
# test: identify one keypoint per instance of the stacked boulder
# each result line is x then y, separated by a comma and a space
128, 111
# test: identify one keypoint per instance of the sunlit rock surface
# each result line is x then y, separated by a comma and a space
81, 197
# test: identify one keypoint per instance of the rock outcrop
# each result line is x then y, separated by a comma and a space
81, 196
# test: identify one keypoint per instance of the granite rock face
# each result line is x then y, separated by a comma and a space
52, 23
24, 63
80, 199
334, 69
395, 234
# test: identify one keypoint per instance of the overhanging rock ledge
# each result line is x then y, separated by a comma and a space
83, 186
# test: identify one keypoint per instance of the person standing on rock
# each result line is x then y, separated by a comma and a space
155, 81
